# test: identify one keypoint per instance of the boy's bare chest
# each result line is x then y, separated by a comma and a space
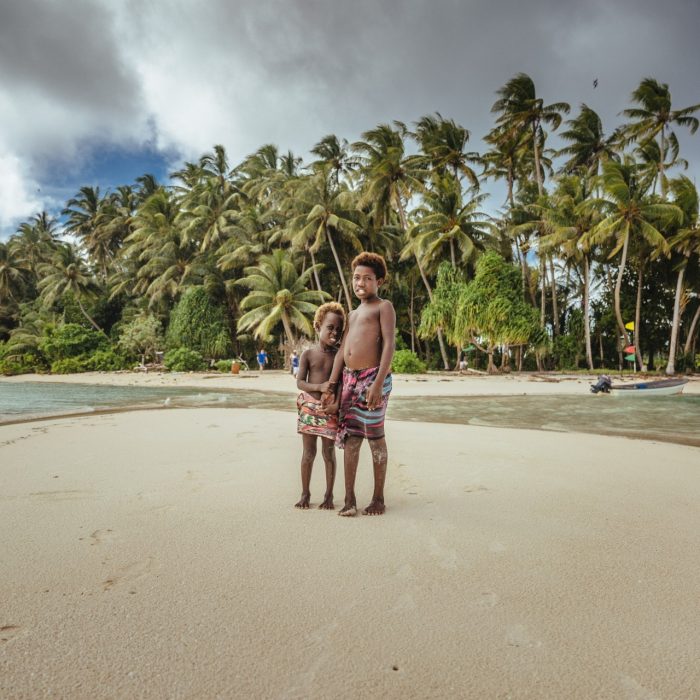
363, 321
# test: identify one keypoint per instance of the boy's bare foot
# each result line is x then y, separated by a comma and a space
349, 510
376, 507
304, 501
327, 503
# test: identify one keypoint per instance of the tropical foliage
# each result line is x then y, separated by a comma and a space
228, 256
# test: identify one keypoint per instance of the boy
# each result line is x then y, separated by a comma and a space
295, 364
365, 361
314, 420
262, 359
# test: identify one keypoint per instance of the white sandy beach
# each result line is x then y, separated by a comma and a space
157, 554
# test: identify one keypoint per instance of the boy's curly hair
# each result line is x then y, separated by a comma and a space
371, 260
328, 307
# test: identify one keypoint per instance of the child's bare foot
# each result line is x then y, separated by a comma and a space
349, 510
303, 501
327, 503
376, 507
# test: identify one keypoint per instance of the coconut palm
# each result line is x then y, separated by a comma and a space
67, 273
588, 146
34, 242
522, 113
685, 243
389, 180
278, 294
12, 275
654, 117
628, 214
335, 154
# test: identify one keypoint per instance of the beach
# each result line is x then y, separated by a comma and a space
157, 554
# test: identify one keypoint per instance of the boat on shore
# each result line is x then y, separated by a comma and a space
659, 387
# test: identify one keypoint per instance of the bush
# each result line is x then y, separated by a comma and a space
108, 361
224, 365
407, 362
184, 360
71, 365
142, 336
70, 340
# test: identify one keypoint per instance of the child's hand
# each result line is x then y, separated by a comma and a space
327, 398
374, 396
323, 388
332, 408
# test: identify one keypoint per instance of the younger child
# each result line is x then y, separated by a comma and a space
364, 360
315, 368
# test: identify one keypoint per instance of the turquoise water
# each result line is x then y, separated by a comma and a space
666, 418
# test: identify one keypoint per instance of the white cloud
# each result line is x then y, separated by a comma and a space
18, 192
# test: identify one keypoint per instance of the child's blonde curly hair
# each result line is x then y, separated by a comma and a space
329, 307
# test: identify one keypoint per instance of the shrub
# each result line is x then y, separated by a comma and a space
142, 336
71, 365
223, 365
407, 362
108, 361
184, 360
70, 340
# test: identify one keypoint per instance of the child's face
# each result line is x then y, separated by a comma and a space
331, 330
365, 283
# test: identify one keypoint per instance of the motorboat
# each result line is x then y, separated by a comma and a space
659, 387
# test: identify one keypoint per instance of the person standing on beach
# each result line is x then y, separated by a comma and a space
364, 359
314, 420
262, 359
295, 364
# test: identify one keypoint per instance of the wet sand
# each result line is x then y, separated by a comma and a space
157, 554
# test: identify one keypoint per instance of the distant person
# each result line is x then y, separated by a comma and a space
295, 364
314, 420
365, 362
463, 364
262, 359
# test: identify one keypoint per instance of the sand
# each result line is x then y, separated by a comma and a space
156, 554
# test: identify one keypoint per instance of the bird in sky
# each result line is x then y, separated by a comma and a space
595, 83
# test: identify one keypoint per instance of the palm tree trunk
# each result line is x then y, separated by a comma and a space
89, 318
348, 298
691, 332
404, 225
587, 312
288, 330
316, 277
618, 286
543, 284
662, 173
638, 317
538, 172
412, 319
555, 306
671, 365
452, 254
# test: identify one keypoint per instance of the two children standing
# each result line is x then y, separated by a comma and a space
346, 412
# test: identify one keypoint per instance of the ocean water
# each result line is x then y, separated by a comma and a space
663, 418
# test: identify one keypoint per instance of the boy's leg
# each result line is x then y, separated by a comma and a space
379, 462
307, 462
328, 452
351, 458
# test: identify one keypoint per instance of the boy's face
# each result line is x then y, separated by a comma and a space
365, 283
331, 329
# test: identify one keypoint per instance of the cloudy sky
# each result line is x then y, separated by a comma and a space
99, 92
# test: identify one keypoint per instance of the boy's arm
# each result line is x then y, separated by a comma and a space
330, 390
303, 374
387, 324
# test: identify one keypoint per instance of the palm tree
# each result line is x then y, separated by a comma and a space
654, 117
12, 275
522, 113
35, 241
589, 147
336, 155
278, 294
628, 214
68, 273
443, 144
389, 180
686, 242
324, 209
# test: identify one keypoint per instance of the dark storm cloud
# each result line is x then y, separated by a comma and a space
65, 52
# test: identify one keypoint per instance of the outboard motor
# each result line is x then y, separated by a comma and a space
604, 384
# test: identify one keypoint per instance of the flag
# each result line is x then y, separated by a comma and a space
629, 349
630, 358
629, 326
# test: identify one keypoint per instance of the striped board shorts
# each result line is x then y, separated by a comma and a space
311, 419
355, 419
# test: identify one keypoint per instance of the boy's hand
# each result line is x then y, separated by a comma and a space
323, 388
327, 398
374, 396
331, 408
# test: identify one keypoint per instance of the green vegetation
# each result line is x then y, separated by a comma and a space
227, 257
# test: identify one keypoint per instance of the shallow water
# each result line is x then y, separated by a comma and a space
665, 418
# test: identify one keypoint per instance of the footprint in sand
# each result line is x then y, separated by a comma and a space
488, 599
101, 537
60, 495
7, 632
475, 488
518, 636
497, 547
128, 573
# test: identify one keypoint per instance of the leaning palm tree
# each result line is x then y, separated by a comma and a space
12, 275
628, 214
521, 112
66, 273
654, 117
588, 146
279, 294
686, 243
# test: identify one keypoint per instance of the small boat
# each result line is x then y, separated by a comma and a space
660, 387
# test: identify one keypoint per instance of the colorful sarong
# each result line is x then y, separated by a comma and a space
312, 420
355, 418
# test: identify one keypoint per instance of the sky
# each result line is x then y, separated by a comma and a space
99, 92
